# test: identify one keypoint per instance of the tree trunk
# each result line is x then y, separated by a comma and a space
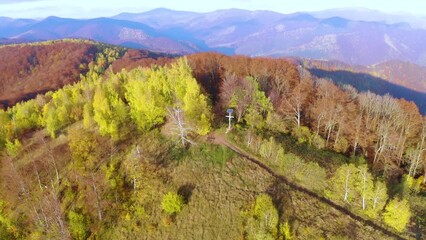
98, 205
355, 148
347, 185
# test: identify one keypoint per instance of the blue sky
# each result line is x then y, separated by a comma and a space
98, 8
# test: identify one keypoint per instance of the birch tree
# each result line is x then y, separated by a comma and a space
180, 126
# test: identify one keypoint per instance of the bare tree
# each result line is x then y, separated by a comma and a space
238, 92
364, 171
293, 106
181, 127
348, 174
52, 159
357, 133
419, 152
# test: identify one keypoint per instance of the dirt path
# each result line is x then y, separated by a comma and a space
221, 140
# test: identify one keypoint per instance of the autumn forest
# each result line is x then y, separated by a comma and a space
104, 142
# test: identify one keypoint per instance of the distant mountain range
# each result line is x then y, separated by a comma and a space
368, 15
354, 36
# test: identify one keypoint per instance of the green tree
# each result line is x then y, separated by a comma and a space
342, 184
261, 220
291, 165
27, 115
364, 186
5, 124
172, 203
151, 92
356, 186
271, 150
285, 231
147, 94
259, 107
341, 145
78, 225
188, 96
7, 229
245, 96
51, 120
13, 148
64, 108
318, 142
312, 176
377, 199
84, 146
110, 112
397, 214
197, 108
302, 134
88, 120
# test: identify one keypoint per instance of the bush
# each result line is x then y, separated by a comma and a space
276, 123
312, 176
291, 166
397, 214
285, 231
318, 142
77, 225
271, 150
409, 185
172, 203
302, 134
261, 219
13, 148
341, 145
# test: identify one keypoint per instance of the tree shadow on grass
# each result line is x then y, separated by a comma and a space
186, 191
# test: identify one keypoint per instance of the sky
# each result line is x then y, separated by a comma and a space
106, 8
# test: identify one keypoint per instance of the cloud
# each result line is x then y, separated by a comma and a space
16, 1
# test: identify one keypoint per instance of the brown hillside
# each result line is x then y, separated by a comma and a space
27, 70
406, 74
140, 58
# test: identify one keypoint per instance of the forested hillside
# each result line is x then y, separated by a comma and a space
399, 79
131, 152
30, 69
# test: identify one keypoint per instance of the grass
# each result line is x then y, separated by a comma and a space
327, 159
210, 154
216, 184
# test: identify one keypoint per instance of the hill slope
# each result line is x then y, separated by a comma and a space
31, 69
36, 68
127, 155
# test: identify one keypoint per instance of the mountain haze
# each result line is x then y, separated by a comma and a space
332, 36
112, 31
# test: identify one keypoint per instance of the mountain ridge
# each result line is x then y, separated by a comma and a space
237, 31
243, 32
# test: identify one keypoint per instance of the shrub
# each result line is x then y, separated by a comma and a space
77, 225
261, 219
312, 176
172, 203
291, 165
13, 148
341, 145
271, 150
318, 142
397, 214
285, 231
302, 134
